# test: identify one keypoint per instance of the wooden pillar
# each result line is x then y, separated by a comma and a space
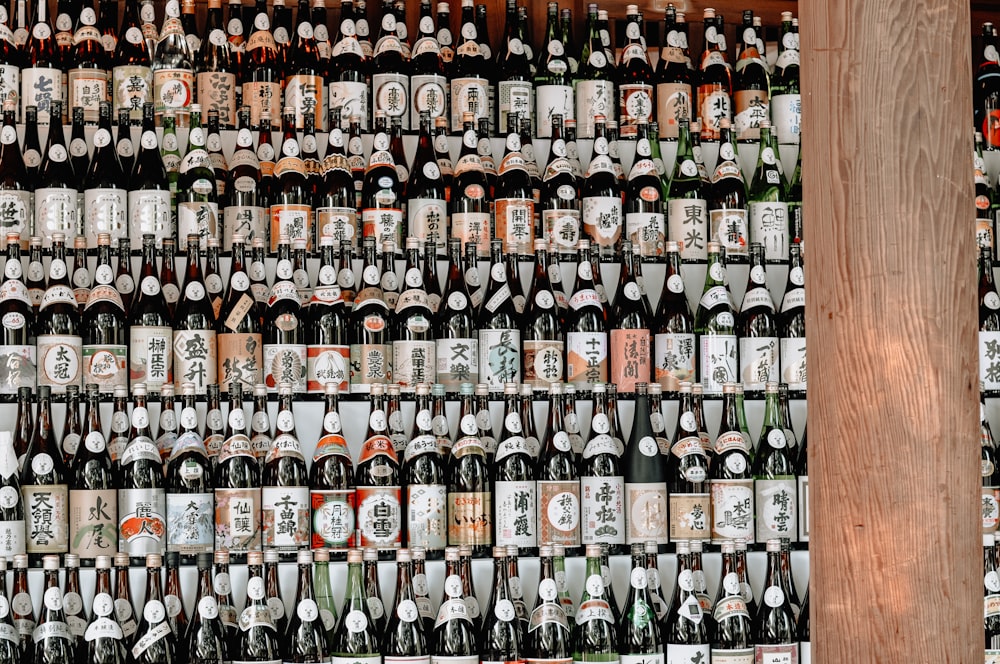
891, 320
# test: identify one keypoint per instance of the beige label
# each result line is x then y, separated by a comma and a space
194, 359
295, 221
151, 355
240, 359
46, 511
673, 103
217, 91
559, 513
261, 96
690, 515
470, 519
237, 519
646, 512
93, 522
543, 363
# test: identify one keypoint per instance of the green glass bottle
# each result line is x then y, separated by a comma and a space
774, 475
715, 323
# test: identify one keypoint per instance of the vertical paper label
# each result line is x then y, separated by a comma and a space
729, 228
131, 87
469, 95
414, 362
60, 360
514, 97
173, 90
804, 510
684, 654
674, 359
285, 517
307, 94
472, 227
673, 104
561, 229
93, 522
151, 356
470, 518
776, 506
383, 224
741, 656
105, 366
758, 361
217, 91
429, 93
543, 362
593, 98
285, 363
55, 212
391, 93
732, 510
190, 522
261, 96
515, 224
197, 218
751, 108
500, 358
630, 358
427, 516
149, 212
602, 220
690, 516
717, 361
428, 220
240, 360
635, 101
332, 519
602, 510
457, 362
688, 226
40, 86
559, 512
793, 362
18, 368
142, 526
194, 359
786, 117
12, 538
237, 519
769, 226
553, 100
586, 358
347, 99
46, 511
647, 232
251, 221
646, 512
379, 516
515, 513
295, 221
370, 363
325, 365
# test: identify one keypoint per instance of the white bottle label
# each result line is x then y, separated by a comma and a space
786, 117
769, 226
688, 226
717, 360
515, 513
758, 361
793, 362
777, 504
684, 654
602, 513
553, 100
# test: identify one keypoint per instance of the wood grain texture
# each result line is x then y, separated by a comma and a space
891, 320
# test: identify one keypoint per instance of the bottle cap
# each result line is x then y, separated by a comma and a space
593, 551
512, 550
696, 546
728, 546
354, 556
20, 560
709, 12
284, 388
154, 560
465, 550
402, 555
121, 559
204, 560
393, 389
545, 551
50, 563
221, 557
423, 389
418, 553
370, 554
482, 389
773, 545
437, 390
139, 390
331, 388
260, 390
255, 557
683, 547
466, 389
451, 553
305, 557
321, 555
500, 551
650, 547
71, 560
102, 562
271, 556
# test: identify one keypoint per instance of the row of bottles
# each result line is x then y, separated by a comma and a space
236, 484
357, 331
268, 60
342, 195
692, 627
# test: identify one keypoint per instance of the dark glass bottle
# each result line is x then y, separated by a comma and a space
258, 639
786, 100
53, 642
499, 328
470, 200
674, 348
470, 507
773, 628
190, 497
44, 490
631, 337
645, 472
355, 636
715, 323
639, 632
382, 199
238, 328
558, 481
93, 501
687, 476
457, 346
602, 195
194, 327
377, 478
514, 488
774, 474
331, 482
237, 484
141, 486
424, 474
149, 190
103, 326
792, 324
285, 492
636, 95
104, 640
602, 484
368, 325
549, 636
727, 198
305, 638
205, 640
455, 629
731, 478
413, 345
542, 334
154, 642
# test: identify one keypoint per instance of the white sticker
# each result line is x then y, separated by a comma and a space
774, 597
639, 578
548, 590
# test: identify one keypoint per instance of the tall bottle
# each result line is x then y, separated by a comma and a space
751, 83
103, 326
646, 514
548, 637
93, 501
154, 641
774, 474
349, 70
222, 589
104, 639
727, 204
141, 486
15, 187
291, 201
205, 639
238, 330
586, 327
331, 482
715, 324
786, 100
44, 489
774, 633
335, 205
715, 85
498, 324
674, 349
377, 478
514, 485
284, 353
390, 70
131, 75
368, 325
602, 195
602, 483
541, 331
149, 191
258, 639
413, 345
731, 479
194, 328
687, 473
454, 637
41, 80
636, 96
595, 78
457, 347
190, 501
470, 508
12, 523
285, 494
553, 78
792, 324
237, 481
16, 348
639, 633
56, 208
382, 199
768, 207
355, 638
757, 327
197, 192
558, 482
685, 632
469, 207
173, 67
22, 609
53, 642
304, 638
674, 103
687, 209
595, 637
631, 337
328, 351
469, 84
